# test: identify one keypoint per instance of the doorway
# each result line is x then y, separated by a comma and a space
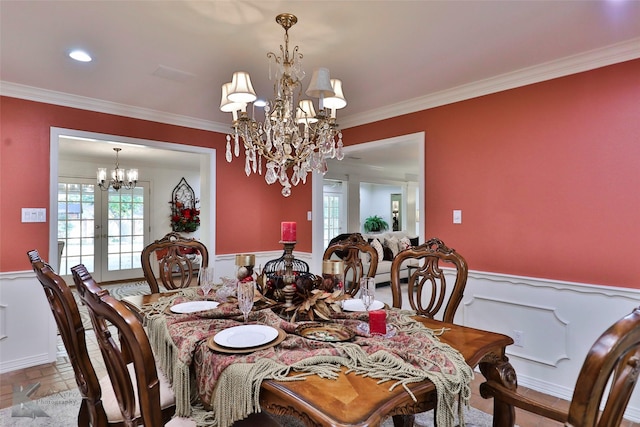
387, 150
161, 166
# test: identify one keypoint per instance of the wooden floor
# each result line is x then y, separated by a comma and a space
59, 376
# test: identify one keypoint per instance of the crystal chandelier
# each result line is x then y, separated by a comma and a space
117, 177
293, 139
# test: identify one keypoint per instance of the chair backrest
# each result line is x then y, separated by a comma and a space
427, 287
134, 347
353, 251
67, 316
614, 356
178, 260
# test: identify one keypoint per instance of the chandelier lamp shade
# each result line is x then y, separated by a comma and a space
294, 137
117, 180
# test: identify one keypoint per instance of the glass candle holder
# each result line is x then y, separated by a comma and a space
333, 275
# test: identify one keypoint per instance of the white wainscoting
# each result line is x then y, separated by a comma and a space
558, 321
27, 328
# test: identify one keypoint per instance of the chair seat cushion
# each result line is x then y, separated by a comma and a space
110, 403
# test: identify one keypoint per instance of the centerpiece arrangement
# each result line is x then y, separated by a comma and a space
304, 296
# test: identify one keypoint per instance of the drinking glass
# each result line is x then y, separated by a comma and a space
246, 291
367, 291
206, 280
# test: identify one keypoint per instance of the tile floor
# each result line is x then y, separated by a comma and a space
59, 376
53, 378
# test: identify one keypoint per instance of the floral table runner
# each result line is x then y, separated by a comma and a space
229, 384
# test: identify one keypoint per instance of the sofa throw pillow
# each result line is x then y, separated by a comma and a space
405, 243
394, 244
378, 247
414, 241
388, 255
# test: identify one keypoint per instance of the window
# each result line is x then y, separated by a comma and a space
333, 210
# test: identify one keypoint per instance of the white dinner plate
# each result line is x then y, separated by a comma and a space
356, 304
246, 336
193, 306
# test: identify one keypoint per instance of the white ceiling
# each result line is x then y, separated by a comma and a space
131, 156
389, 54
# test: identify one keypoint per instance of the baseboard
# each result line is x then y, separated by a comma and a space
25, 362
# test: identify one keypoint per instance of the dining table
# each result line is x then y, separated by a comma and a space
329, 391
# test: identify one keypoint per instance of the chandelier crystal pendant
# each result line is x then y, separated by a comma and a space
293, 139
117, 180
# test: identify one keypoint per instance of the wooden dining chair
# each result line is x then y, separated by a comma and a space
353, 251
605, 383
177, 260
428, 289
142, 393
67, 316
141, 389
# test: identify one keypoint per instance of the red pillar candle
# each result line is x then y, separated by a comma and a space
288, 231
378, 322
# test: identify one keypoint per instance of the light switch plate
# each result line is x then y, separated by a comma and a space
457, 216
34, 215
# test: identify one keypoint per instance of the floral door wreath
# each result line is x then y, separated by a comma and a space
185, 215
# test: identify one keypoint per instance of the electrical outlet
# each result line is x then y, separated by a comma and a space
518, 338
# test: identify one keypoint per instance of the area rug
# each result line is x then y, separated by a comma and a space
61, 410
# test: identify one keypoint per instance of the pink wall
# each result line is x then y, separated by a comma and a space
547, 176
249, 211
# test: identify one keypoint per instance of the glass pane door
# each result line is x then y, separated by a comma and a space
104, 230
77, 224
333, 210
124, 237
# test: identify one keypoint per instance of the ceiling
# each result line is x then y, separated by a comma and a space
168, 59
132, 155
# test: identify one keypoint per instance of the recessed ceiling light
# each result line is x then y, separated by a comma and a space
80, 55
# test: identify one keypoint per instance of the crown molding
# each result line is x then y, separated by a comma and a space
574, 64
31, 93
590, 60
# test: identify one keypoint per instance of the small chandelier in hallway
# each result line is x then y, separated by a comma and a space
117, 180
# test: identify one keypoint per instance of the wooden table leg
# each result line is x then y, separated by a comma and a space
500, 370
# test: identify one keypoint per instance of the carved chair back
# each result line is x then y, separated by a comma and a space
178, 260
352, 251
134, 347
67, 316
428, 289
615, 355
605, 383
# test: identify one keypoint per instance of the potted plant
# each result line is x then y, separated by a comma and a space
375, 224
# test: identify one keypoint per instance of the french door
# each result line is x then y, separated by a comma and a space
333, 210
104, 230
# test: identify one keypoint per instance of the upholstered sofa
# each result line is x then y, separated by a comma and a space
390, 243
